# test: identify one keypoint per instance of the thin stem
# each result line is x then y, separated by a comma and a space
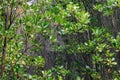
3, 56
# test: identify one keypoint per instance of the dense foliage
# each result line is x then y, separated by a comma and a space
59, 40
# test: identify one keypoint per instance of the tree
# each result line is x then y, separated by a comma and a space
59, 40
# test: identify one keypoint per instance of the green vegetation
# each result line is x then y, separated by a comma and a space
59, 40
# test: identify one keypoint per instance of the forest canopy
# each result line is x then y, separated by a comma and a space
59, 40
